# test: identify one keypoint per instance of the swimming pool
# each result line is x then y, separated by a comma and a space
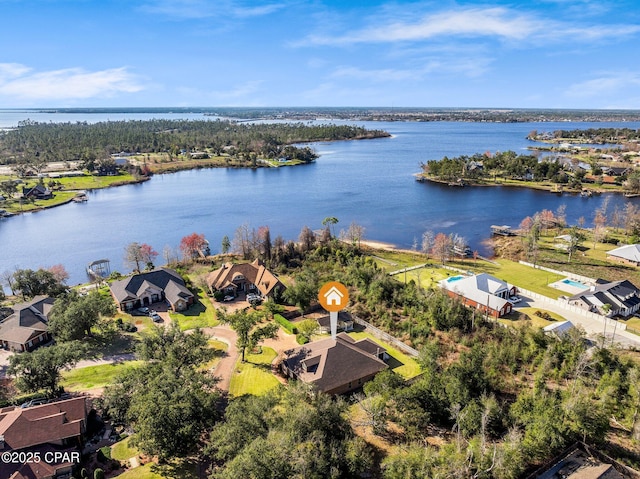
575, 284
454, 278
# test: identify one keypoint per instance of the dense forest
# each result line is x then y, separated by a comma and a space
34, 142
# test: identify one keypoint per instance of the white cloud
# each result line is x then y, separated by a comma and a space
611, 83
193, 9
470, 22
11, 70
66, 84
496, 22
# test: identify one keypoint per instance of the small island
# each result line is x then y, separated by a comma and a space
48, 164
570, 163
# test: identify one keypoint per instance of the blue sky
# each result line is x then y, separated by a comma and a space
138, 53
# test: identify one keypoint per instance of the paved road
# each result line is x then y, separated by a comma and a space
593, 328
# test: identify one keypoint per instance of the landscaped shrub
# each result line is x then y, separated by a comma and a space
302, 339
544, 315
288, 326
98, 474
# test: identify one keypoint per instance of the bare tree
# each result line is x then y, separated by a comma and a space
427, 242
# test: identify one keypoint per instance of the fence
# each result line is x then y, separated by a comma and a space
378, 333
576, 277
575, 309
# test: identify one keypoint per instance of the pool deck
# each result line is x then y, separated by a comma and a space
567, 288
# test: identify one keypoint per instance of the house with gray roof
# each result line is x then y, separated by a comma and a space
627, 254
622, 298
27, 327
335, 366
144, 289
481, 291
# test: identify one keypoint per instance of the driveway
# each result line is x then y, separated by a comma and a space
594, 329
226, 366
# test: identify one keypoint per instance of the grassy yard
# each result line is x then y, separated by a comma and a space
122, 450
535, 280
254, 376
91, 377
201, 314
69, 184
534, 320
401, 363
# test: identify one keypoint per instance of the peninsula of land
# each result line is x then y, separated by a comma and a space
48, 164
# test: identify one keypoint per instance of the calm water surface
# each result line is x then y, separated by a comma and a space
368, 181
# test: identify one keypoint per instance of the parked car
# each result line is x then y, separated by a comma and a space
228, 298
156, 317
515, 299
143, 310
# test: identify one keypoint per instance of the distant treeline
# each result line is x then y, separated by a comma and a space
590, 135
506, 115
45, 142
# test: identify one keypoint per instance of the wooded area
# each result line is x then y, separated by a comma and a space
36, 143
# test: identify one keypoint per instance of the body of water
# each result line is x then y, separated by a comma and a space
370, 182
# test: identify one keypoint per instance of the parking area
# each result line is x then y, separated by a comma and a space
241, 301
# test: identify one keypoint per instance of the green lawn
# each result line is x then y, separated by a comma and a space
122, 450
220, 349
201, 314
401, 363
142, 472
535, 280
254, 376
94, 376
534, 320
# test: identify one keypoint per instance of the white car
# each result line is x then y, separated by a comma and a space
515, 299
156, 317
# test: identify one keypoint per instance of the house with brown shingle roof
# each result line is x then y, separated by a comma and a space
27, 326
232, 278
144, 289
335, 366
49, 428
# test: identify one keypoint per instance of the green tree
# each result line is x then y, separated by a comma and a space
226, 244
33, 283
175, 348
73, 316
245, 324
40, 370
576, 236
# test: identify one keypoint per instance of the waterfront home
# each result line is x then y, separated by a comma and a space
482, 292
27, 326
335, 366
37, 192
627, 254
232, 278
50, 430
609, 298
144, 289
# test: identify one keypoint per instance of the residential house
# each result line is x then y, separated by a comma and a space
232, 278
581, 461
56, 427
481, 291
345, 322
622, 298
558, 329
335, 366
627, 254
37, 192
144, 289
27, 326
